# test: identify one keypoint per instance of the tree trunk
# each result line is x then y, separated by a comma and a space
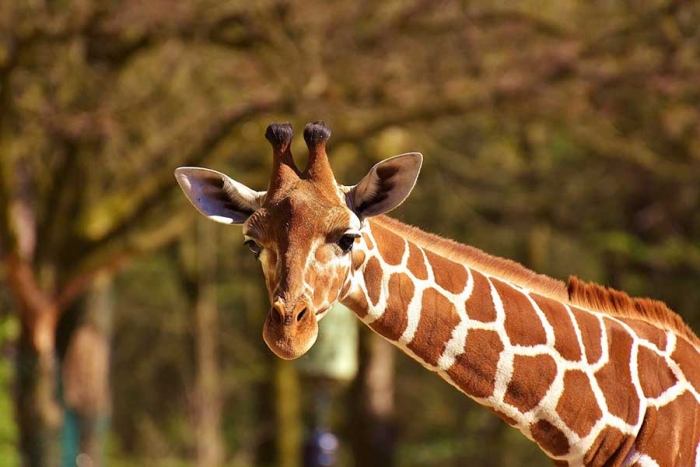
37, 409
210, 449
85, 375
372, 426
266, 442
288, 412
196, 261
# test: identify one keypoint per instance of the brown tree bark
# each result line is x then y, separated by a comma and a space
85, 372
372, 424
197, 266
37, 410
210, 447
289, 425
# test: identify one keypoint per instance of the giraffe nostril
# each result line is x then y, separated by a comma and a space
301, 314
277, 315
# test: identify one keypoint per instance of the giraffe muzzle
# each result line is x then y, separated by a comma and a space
290, 331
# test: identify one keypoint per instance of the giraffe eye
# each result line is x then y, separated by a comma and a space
346, 241
254, 247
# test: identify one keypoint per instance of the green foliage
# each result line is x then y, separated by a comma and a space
9, 456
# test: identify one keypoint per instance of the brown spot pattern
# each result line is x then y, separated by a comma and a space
676, 434
687, 358
550, 438
358, 257
368, 241
475, 370
393, 322
449, 275
522, 324
357, 303
648, 428
657, 376
610, 448
649, 333
416, 262
373, 279
323, 254
391, 246
325, 285
615, 377
532, 377
479, 306
577, 406
437, 320
591, 334
565, 341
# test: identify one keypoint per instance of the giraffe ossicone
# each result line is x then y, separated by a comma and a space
591, 375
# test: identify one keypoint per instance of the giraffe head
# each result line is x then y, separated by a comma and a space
303, 228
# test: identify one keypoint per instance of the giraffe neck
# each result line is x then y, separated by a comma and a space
559, 374
427, 305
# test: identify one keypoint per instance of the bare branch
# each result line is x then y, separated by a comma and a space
113, 256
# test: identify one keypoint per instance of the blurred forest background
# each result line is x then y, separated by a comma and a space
564, 134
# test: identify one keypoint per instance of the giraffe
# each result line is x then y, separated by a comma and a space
592, 375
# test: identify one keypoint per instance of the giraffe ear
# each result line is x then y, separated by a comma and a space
218, 196
386, 185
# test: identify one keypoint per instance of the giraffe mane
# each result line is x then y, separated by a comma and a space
590, 296
617, 303
505, 269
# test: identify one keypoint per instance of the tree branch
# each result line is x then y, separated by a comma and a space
113, 256
162, 182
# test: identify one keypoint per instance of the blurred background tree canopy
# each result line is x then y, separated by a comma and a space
563, 134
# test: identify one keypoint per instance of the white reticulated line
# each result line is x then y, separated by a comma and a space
548, 329
413, 315
646, 461
577, 331
455, 346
